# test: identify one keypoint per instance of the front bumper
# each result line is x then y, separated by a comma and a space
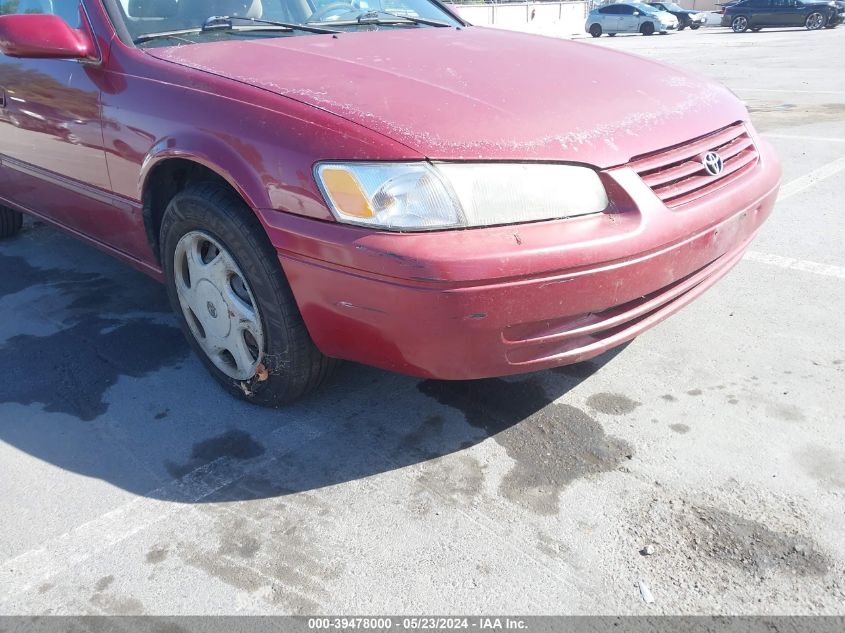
506, 300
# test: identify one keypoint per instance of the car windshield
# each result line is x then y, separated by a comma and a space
671, 6
182, 22
645, 8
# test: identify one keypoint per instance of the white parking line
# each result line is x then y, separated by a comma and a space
85, 541
811, 179
827, 270
799, 137
60, 554
790, 189
790, 90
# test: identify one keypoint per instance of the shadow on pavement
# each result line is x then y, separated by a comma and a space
97, 380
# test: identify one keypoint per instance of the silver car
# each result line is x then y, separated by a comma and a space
629, 17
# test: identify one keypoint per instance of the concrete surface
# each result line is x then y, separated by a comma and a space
132, 484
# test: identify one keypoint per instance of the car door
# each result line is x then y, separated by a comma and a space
761, 13
609, 19
629, 21
796, 13
51, 137
781, 12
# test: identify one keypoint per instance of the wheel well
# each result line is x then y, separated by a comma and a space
168, 178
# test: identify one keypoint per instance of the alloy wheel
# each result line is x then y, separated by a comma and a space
740, 24
815, 21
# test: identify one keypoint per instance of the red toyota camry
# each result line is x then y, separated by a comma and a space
374, 181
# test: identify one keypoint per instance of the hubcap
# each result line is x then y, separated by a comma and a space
218, 305
740, 24
815, 20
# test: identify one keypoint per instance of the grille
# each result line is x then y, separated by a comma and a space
677, 175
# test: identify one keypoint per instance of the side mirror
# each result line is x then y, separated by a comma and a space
43, 36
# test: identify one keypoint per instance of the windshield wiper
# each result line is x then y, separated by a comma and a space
225, 22
372, 17
169, 35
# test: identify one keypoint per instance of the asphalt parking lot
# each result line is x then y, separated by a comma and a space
706, 459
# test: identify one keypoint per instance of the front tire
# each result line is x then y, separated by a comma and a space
695, 27
232, 300
815, 21
739, 24
10, 222
647, 29
595, 30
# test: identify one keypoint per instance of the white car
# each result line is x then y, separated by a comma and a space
629, 17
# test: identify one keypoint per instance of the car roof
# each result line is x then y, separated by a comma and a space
626, 3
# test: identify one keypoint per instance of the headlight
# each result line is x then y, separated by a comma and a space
425, 196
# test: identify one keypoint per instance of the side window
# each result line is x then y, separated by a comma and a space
759, 4
68, 10
624, 9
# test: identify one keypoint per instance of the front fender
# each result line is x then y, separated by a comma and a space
213, 153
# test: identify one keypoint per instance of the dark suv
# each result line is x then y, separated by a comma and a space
756, 14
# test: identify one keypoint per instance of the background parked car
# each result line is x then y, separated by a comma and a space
692, 19
757, 14
629, 17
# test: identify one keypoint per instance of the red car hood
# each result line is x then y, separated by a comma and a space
480, 93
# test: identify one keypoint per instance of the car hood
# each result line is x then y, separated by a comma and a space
476, 93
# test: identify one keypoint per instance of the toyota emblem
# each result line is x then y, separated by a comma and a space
713, 163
